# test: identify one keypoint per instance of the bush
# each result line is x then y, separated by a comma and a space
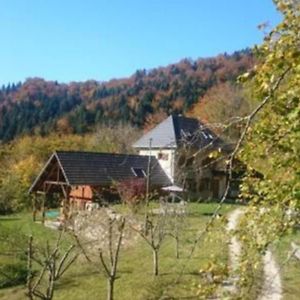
13, 245
13, 274
132, 192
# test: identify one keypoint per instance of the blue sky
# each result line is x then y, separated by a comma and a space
76, 40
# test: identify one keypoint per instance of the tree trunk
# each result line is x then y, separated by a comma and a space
177, 247
110, 288
29, 269
34, 215
34, 208
155, 262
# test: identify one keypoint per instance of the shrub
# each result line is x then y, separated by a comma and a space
132, 192
13, 274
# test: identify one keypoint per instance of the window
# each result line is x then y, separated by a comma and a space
185, 134
138, 172
163, 156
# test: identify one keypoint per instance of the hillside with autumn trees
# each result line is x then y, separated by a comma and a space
41, 107
246, 247
38, 116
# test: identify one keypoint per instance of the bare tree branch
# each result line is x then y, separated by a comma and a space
232, 156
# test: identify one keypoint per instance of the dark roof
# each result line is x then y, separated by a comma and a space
178, 130
92, 168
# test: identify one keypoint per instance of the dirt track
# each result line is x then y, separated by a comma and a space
272, 289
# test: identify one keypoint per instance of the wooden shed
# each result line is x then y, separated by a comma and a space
77, 176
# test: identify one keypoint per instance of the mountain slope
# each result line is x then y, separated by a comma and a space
39, 106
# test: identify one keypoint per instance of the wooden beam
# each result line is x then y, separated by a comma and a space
66, 201
43, 210
34, 200
65, 192
56, 182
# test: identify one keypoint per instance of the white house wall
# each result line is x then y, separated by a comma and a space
168, 164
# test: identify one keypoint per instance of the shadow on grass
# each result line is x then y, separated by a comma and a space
163, 274
71, 280
211, 214
125, 271
67, 283
195, 273
5, 219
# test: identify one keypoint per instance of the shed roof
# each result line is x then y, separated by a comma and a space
95, 169
175, 131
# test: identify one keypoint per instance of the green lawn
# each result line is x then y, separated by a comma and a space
136, 281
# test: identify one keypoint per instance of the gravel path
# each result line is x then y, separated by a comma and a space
234, 246
234, 250
272, 289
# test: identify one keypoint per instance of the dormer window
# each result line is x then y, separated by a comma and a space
139, 172
185, 134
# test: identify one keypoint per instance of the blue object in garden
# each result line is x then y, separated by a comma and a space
52, 214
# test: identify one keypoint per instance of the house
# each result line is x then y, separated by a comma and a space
81, 176
177, 152
182, 146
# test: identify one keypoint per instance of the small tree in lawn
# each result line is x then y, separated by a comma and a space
52, 264
154, 234
114, 244
176, 222
100, 236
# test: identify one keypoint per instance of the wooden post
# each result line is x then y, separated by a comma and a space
29, 269
34, 200
61, 209
43, 209
148, 172
69, 207
64, 210
148, 186
66, 202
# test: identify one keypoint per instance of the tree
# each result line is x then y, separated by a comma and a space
110, 266
272, 146
276, 133
78, 107
52, 263
222, 105
100, 236
154, 234
176, 222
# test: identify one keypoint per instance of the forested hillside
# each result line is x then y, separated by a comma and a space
201, 248
22, 159
40, 107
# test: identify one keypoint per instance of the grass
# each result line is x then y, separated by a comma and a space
290, 268
23, 223
135, 269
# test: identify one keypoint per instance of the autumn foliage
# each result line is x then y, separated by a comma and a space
132, 192
40, 107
